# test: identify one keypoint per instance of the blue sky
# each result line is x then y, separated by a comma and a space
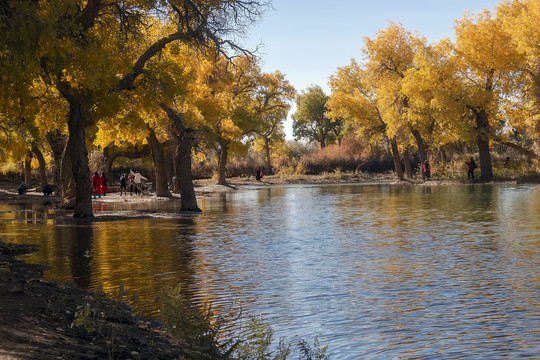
308, 40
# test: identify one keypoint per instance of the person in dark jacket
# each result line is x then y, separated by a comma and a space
47, 190
472, 165
104, 183
123, 184
23, 188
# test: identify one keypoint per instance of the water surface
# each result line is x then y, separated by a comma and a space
375, 271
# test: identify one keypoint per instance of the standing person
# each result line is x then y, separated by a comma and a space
258, 174
123, 184
104, 183
96, 185
472, 165
427, 169
131, 179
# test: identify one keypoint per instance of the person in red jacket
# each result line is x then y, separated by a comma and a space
427, 169
96, 185
104, 183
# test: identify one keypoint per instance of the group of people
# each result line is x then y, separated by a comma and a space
99, 184
133, 179
471, 165
135, 183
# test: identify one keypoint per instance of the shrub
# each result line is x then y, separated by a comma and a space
350, 156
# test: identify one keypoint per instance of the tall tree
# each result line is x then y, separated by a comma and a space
230, 86
310, 120
520, 21
486, 60
270, 108
389, 55
355, 99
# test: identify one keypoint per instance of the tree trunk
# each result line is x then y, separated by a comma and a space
76, 153
170, 167
444, 157
106, 166
421, 149
170, 170
28, 169
420, 144
42, 165
110, 157
57, 143
188, 199
482, 124
407, 163
267, 153
67, 184
186, 137
156, 149
222, 161
322, 141
518, 147
397, 159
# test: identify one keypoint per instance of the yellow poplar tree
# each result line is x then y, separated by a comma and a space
520, 21
388, 57
355, 99
486, 59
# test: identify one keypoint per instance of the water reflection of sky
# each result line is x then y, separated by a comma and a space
376, 271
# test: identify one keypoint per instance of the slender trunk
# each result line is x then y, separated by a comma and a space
67, 184
158, 156
107, 164
444, 157
482, 124
267, 153
222, 161
188, 199
407, 163
57, 143
42, 165
170, 167
28, 169
420, 144
397, 159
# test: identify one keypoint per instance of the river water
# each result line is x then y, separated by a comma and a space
375, 271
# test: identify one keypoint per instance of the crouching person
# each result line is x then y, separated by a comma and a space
47, 190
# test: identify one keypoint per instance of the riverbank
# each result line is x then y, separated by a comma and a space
38, 319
